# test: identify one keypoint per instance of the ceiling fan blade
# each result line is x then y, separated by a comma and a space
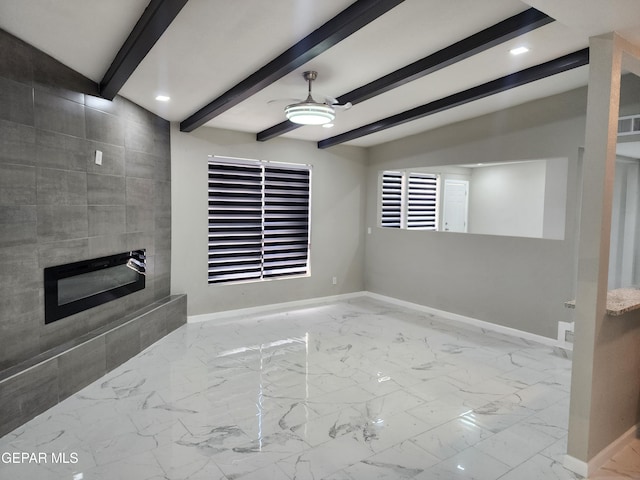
333, 102
346, 106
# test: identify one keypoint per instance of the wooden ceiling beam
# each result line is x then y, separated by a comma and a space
501, 32
152, 24
347, 22
532, 74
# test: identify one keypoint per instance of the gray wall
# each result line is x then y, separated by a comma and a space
337, 214
508, 199
57, 206
520, 283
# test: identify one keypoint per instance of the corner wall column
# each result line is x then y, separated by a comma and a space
601, 397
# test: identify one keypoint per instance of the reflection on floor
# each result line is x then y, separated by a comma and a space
353, 390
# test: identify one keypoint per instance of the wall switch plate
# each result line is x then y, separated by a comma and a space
98, 157
334, 280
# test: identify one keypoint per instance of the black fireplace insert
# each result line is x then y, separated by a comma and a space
78, 286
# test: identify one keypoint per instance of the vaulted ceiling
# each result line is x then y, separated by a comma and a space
406, 65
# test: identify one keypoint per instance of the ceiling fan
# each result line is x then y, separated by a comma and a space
310, 112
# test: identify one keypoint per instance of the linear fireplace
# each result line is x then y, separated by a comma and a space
78, 286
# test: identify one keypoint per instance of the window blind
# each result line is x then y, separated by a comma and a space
422, 195
391, 207
258, 220
286, 221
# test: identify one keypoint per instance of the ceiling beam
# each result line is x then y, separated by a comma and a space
154, 21
347, 22
532, 74
501, 32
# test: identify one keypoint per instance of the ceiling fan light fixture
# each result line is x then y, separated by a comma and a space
310, 113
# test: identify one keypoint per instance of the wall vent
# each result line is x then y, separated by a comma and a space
629, 125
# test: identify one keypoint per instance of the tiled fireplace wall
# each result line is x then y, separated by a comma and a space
57, 206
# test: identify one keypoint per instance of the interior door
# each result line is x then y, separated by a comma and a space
455, 205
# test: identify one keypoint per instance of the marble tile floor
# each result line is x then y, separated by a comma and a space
346, 391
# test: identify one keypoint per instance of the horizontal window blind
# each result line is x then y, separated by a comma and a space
258, 220
392, 200
235, 222
422, 195
286, 221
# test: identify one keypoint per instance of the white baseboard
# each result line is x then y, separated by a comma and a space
576, 466
467, 320
222, 317
585, 469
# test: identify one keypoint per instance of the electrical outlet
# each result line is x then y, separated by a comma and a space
98, 157
334, 280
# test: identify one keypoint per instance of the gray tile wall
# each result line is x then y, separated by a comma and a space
60, 372
58, 206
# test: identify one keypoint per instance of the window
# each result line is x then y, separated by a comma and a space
409, 200
258, 220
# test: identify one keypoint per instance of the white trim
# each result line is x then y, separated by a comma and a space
224, 316
563, 328
221, 317
585, 469
608, 452
575, 465
467, 320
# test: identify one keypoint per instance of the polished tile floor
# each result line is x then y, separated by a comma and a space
351, 390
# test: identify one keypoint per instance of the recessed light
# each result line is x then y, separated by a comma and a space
163, 98
327, 125
518, 50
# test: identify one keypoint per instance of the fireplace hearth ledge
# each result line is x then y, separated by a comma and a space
37, 384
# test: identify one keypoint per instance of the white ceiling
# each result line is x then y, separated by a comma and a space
214, 44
